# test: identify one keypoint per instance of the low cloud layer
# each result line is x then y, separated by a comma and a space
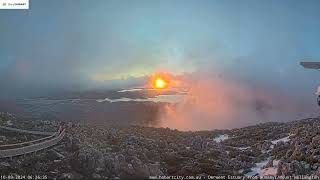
217, 103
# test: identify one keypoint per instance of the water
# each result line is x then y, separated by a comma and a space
160, 98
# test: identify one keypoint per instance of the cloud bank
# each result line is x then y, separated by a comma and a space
218, 103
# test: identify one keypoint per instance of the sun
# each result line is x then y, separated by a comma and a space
159, 83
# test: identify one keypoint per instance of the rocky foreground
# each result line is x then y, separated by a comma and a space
141, 152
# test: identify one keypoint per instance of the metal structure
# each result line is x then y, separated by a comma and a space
13, 150
312, 65
31, 148
10, 146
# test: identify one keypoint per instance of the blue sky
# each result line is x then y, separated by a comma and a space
84, 43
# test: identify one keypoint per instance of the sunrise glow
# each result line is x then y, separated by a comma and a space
159, 83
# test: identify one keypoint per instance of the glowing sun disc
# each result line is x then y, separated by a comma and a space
160, 83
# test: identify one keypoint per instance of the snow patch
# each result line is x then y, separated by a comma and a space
243, 148
221, 138
261, 171
285, 139
256, 170
9, 123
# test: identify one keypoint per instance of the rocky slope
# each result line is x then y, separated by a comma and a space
140, 152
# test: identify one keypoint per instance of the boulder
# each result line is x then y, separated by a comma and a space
4, 164
67, 176
155, 170
269, 164
96, 176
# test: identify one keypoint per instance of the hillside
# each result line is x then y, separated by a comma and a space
142, 152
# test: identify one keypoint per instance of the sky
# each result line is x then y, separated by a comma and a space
65, 44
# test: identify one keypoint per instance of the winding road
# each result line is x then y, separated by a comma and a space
12, 150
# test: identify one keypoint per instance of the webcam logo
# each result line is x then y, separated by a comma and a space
14, 4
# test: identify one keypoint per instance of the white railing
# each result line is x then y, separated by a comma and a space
9, 146
31, 148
